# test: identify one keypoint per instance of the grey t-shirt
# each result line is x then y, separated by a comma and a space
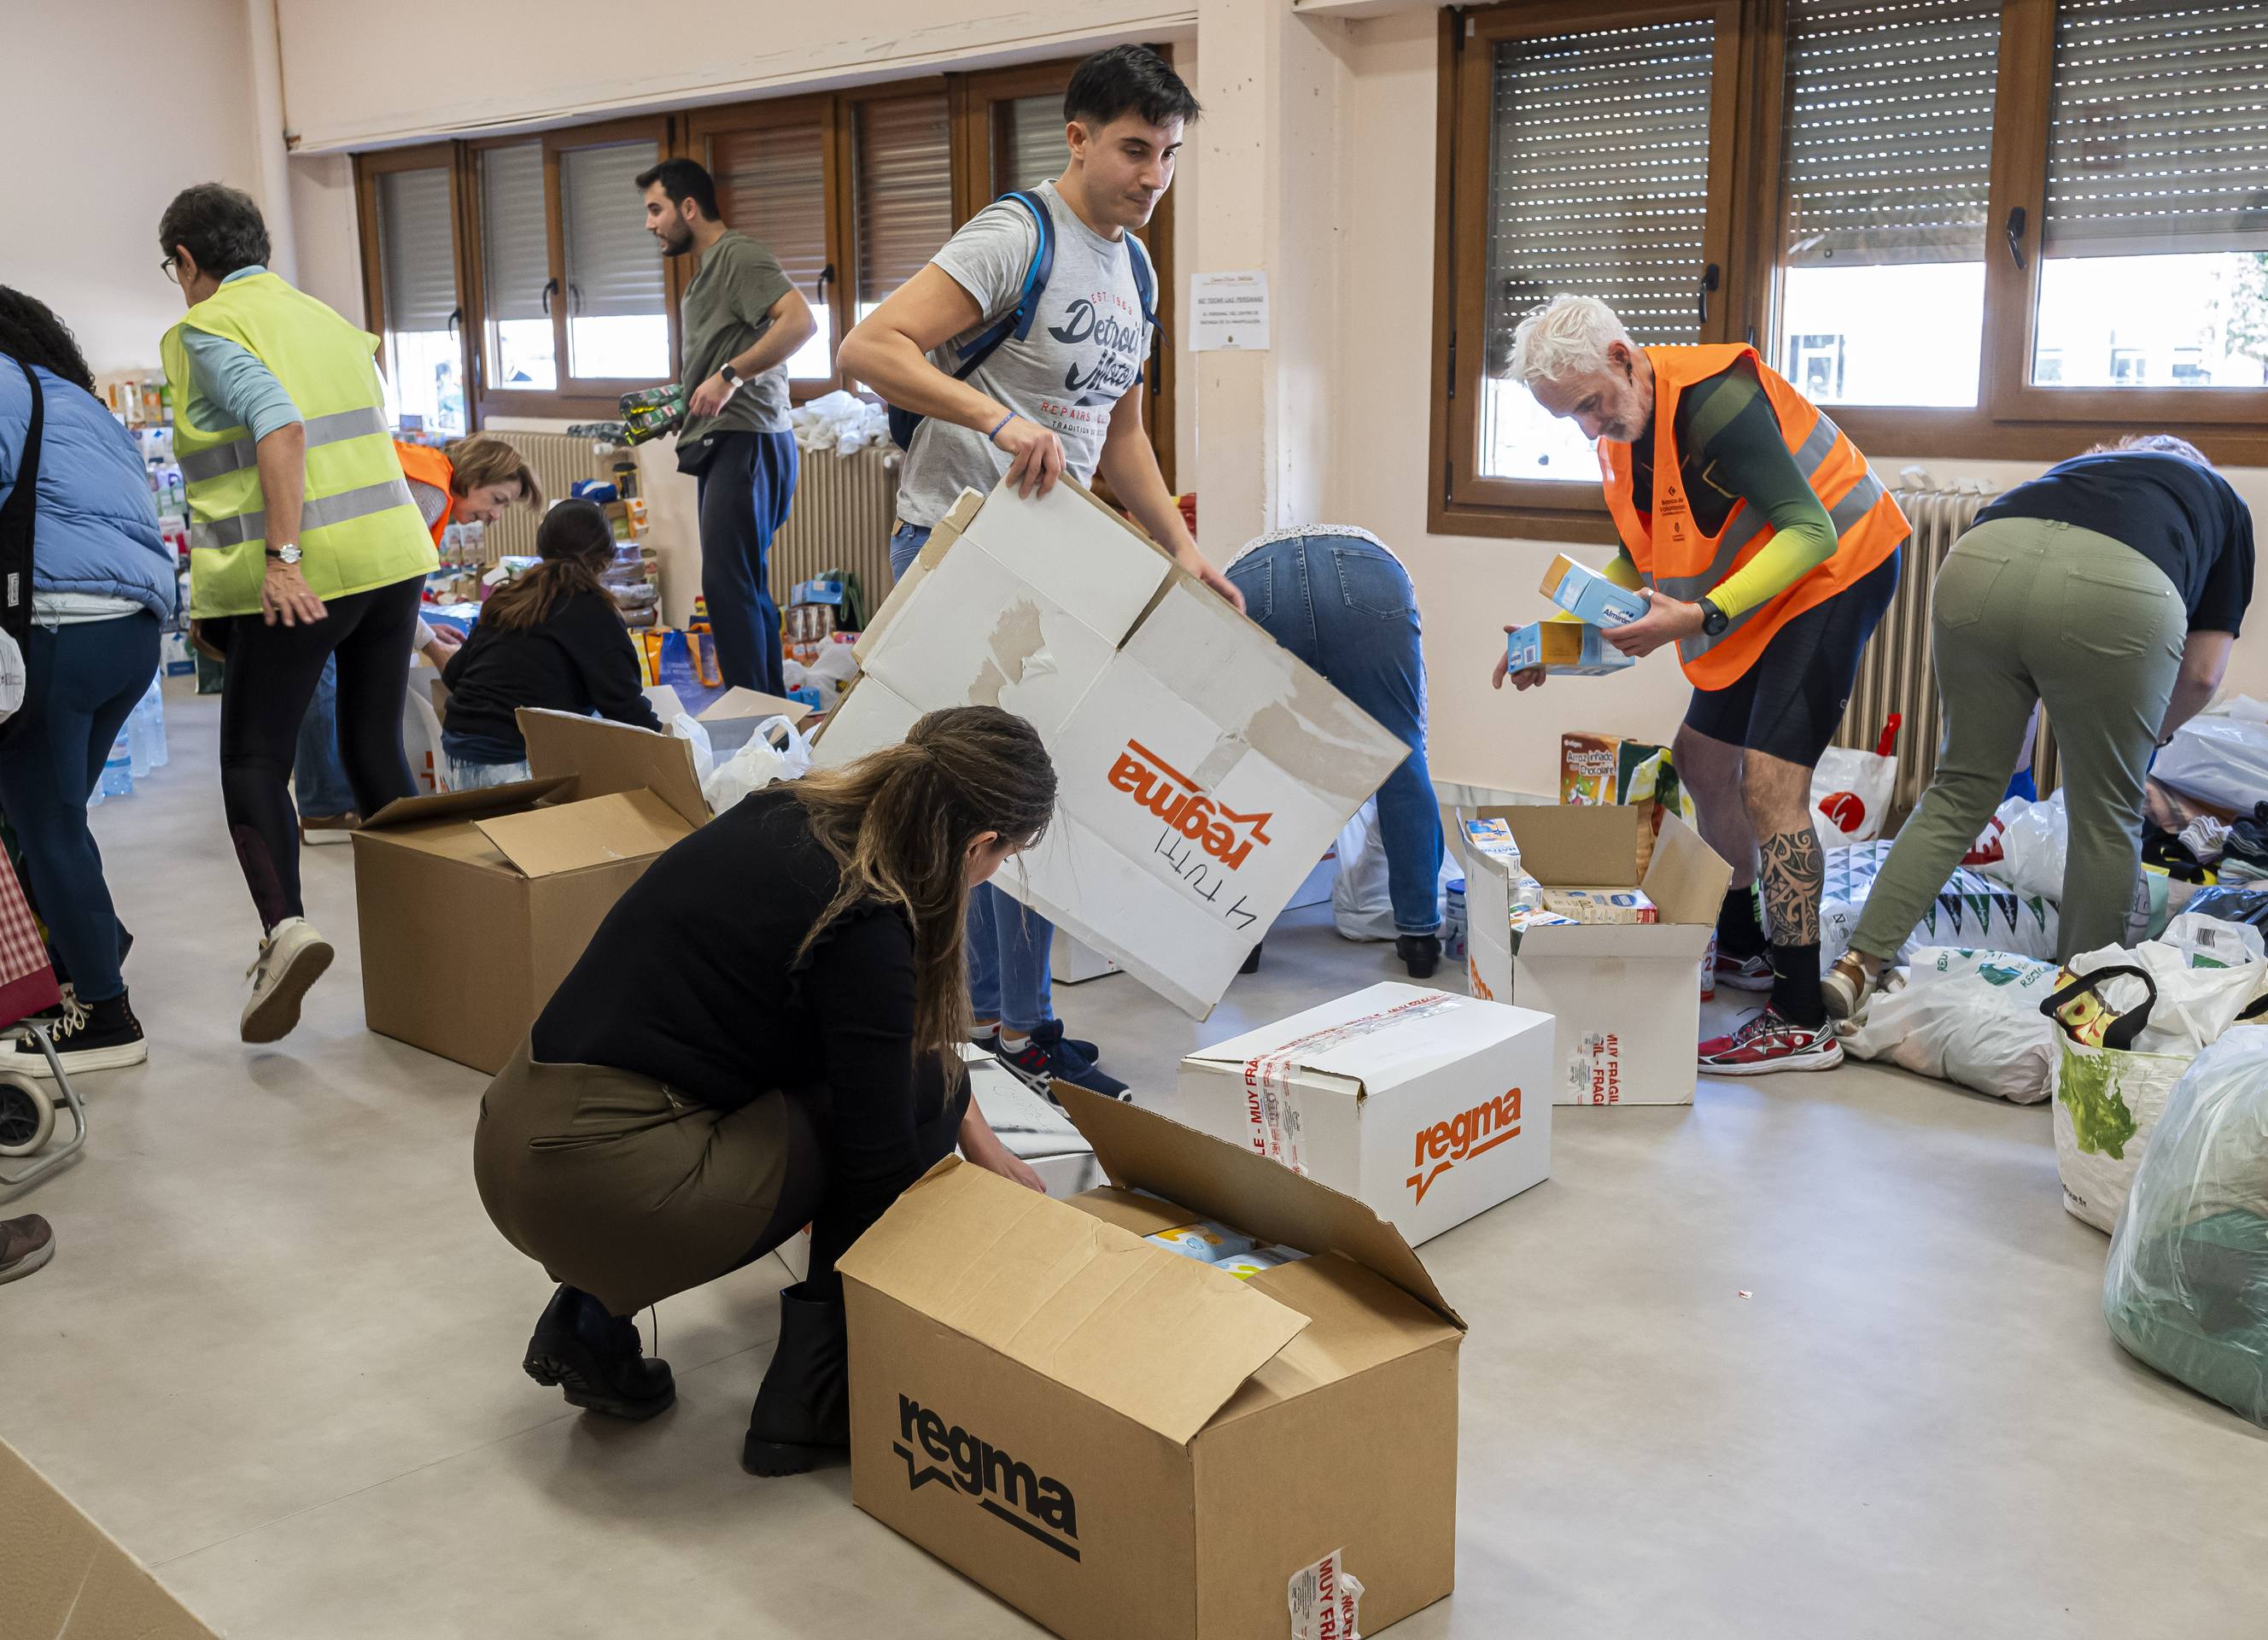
1085, 349
724, 314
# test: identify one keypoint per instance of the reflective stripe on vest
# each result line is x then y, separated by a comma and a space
331, 509
227, 458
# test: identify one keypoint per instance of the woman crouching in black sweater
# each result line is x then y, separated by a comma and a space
764, 1034
551, 638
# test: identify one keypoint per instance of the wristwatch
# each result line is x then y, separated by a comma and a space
1713, 620
731, 376
288, 553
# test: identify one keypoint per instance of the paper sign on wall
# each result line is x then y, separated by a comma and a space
1229, 311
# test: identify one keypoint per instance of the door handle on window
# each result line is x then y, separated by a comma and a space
456, 319
549, 286
825, 275
574, 297
1710, 277
2016, 235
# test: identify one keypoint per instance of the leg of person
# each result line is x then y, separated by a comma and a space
731, 551
1707, 752
373, 657
774, 475
1365, 618
1979, 614
1032, 1040
2105, 642
84, 680
319, 779
906, 543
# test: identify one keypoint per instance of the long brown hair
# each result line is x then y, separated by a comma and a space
899, 823
573, 544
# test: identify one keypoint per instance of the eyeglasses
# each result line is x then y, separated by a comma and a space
171, 269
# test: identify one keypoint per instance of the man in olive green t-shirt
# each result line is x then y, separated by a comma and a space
740, 322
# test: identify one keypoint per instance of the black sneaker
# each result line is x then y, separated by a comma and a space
1049, 1058
596, 1359
1420, 953
88, 1036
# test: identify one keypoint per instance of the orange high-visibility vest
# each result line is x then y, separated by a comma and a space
424, 465
1675, 557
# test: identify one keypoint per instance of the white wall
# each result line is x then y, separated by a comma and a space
112, 110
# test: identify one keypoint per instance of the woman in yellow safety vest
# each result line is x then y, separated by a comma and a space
305, 543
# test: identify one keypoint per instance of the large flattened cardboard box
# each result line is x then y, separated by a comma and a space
63, 1577
1129, 1445
1428, 1107
516, 879
1627, 998
1202, 770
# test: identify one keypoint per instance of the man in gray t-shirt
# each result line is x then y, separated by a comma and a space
1066, 398
740, 322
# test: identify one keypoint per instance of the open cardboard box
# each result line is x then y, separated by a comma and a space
1203, 769
1627, 999
63, 1577
473, 906
1128, 1444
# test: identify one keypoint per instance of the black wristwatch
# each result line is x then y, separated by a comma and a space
731, 376
1713, 620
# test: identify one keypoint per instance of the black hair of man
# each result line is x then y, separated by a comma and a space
30, 331
683, 179
1127, 79
220, 226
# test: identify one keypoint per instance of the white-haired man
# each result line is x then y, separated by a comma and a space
1768, 551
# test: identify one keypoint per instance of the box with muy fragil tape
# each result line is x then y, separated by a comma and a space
1588, 595
1567, 648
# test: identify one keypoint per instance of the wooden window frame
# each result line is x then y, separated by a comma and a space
2013, 420
425, 157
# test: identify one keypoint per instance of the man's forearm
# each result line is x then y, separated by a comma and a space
902, 373
282, 458
1131, 467
776, 346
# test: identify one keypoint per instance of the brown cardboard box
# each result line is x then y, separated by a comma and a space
1129, 1445
64, 1576
473, 906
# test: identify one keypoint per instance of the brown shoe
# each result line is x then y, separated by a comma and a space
26, 1243
317, 829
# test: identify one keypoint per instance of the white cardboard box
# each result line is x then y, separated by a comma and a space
1426, 1106
1203, 769
1627, 999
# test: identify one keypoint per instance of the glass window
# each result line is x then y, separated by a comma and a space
617, 302
515, 256
417, 287
1887, 176
1598, 185
2154, 268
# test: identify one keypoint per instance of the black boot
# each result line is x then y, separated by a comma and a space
596, 1359
1420, 953
1251, 960
802, 1415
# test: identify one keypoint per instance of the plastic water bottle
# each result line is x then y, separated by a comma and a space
153, 703
118, 769
137, 742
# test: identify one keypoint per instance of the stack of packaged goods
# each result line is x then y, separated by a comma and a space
1224, 1249
820, 625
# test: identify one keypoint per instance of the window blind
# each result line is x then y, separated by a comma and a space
416, 249
902, 186
613, 265
1599, 174
1889, 130
1029, 132
771, 185
515, 251
2157, 129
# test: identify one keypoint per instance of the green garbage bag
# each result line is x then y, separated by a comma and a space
2186, 1289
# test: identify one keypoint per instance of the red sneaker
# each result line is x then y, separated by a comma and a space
1744, 973
1770, 1042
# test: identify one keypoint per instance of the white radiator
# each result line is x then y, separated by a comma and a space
844, 506
560, 461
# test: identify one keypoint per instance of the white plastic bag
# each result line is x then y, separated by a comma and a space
691, 730
831, 672
1969, 1017
1850, 790
2194, 1004
2209, 942
776, 752
12, 677
2218, 760
2033, 840
1360, 903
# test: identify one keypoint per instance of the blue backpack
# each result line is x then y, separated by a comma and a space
1018, 321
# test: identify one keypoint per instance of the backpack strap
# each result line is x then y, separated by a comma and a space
1018, 321
1145, 279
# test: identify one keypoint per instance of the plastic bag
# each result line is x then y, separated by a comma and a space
2218, 760
1362, 907
695, 735
2186, 1288
2108, 1103
2231, 905
1851, 789
2033, 840
1966, 1017
1971, 912
2211, 942
2183, 1007
776, 752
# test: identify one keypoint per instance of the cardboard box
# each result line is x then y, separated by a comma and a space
1428, 1107
1626, 999
1073, 961
1127, 1445
517, 878
62, 1576
1587, 595
1563, 649
1203, 769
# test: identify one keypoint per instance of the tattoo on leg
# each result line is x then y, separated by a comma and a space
1792, 872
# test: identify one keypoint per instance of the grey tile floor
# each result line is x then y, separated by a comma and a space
276, 1354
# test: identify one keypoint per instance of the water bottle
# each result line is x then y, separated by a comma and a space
153, 703
137, 742
118, 770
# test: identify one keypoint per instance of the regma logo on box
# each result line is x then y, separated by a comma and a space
1039, 1505
1484, 1127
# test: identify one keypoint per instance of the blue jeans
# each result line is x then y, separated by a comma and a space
744, 493
81, 682
1345, 607
1009, 944
319, 779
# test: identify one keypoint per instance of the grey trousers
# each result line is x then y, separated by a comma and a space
2028, 611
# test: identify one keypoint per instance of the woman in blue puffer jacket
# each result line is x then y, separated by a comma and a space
102, 586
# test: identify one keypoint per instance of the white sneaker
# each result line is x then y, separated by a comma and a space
291, 958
